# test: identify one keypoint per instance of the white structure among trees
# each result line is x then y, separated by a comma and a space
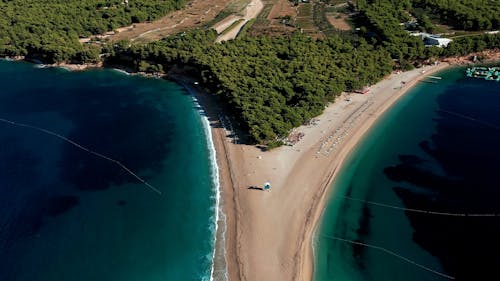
433, 40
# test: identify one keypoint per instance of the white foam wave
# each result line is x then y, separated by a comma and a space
216, 185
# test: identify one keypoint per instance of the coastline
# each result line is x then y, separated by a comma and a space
131, 204
279, 246
219, 224
269, 235
210, 116
350, 145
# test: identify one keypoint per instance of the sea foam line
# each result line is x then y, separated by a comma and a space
216, 184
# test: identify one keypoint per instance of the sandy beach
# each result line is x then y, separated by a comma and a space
269, 234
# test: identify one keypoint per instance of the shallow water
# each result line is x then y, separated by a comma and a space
436, 149
68, 215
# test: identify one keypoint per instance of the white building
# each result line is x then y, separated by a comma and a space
432, 40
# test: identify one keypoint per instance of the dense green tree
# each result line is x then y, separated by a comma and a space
381, 20
464, 14
49, 30
271, 84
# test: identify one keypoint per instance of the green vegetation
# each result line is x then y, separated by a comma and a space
233, 8
469, 44
305, 10
271, 84
237, 6
233, 25
262, 17
49, 30
320, 20
304, 18
380, 23
220, 16
244, 30
464, 14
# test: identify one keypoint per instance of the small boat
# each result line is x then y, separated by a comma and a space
435, 77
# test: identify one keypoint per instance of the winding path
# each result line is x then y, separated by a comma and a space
251, 11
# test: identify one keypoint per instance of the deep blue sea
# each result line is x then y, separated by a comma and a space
437, 149
66, 214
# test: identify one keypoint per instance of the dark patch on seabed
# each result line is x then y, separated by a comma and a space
112, 135
18, 168
67, 214
116, 121
343, 229
359, 251
58, 205
18, 165
466, 145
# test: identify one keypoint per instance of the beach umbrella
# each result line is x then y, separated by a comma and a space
267, 185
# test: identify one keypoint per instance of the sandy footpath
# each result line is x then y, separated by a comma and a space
251, 11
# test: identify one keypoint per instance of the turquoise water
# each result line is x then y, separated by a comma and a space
68, 215
436, 149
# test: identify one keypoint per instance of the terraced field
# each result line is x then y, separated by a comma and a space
195, 15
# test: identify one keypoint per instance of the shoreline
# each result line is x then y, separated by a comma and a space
219, 224
223, 235
350, 146
269, 236
229, 260
367, 118
247, 257
249, 252
219, 270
